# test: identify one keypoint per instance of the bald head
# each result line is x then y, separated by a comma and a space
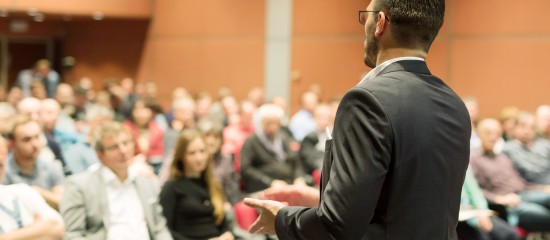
30, 106
489, 131
525, 129
309, 101
49, 113
64, 94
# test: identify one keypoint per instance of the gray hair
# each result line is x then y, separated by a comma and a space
267, 110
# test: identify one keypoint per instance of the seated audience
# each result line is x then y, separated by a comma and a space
64, 95
473, 109
543, 121
234, 135
312, 149
113, 201
148, 136
501, 183
7, 111
531, 155
192, 199
507, 118
483, 226
266, 157
303, 122
51, 151
25, 166
183, 114
23, 212
223, 166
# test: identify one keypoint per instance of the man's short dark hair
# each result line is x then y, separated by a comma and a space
414, 22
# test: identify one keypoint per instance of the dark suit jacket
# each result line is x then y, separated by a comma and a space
395, 166
260, 166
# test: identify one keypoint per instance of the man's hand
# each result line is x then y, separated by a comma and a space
511, 200
295, 195
265, 224
484, 224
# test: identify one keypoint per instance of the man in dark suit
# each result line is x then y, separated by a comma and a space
396, 163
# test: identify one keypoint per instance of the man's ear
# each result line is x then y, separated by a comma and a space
381, 24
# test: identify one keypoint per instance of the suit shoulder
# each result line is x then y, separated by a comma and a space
81, 179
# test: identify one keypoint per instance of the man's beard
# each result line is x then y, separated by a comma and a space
371, 50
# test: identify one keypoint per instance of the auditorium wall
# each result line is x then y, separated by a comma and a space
495, 50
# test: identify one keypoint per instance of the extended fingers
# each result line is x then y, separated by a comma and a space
255, 203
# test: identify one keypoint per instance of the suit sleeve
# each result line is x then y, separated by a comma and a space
73, 211
362, 146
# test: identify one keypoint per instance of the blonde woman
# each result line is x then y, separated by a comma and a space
192, 200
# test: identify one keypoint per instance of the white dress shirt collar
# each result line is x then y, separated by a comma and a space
110, 177
378, 69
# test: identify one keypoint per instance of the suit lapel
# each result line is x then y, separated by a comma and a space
146, 203
103, 202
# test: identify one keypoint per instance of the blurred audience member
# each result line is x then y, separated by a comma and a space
24, 213
303, 122
256, 96
42, 73
266, 157
543, 121
223, 166
148, 136
531, 155
507, 118
3, 94
192, 200
483, 226
502, 184
312, 149
52, 151
204, 101
120, 204
15, 95
25, 166
473, 109
183, 110
65, 96
235, 135
38, 90
7, 111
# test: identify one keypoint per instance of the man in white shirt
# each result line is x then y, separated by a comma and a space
23, 213
113, 202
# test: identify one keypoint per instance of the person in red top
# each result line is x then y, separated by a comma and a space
148, 135
235, 135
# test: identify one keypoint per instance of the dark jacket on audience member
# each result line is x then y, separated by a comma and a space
260, 166
188, 210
